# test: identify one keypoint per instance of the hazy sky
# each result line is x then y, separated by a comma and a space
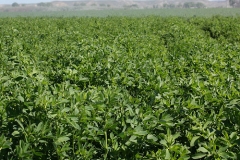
22, 1
29, 1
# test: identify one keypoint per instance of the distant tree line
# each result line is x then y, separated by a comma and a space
44, 4
193, 5
15, 4
234, 3
79, 4
130, 6
185, 5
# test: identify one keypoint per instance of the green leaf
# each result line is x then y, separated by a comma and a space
168, 156
234, 102
175, 136
73, 123
152, 137
20, 123
139, 131
133, 139
192, 143
62, 139
15, 133
164, 142
148, 117
63, 101
167, 118
42, 141
67, 109
233, 135
222, 149
198, 156
20, 98
202, 149
83, 79
228, 155
224, 155
71, 91
5, 78
4, 143
39, 127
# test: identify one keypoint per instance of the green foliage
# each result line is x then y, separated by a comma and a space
15, 4
200, 5
130, 6
189, 5
193, 5
83, 4
79, 4
102, 4
165, 5
42, 4
120, 88
232, 2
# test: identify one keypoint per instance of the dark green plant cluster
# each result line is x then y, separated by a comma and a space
15, 4
193, 5
42, 4
120, 88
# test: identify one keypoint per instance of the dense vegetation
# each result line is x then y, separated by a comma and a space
120, 88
